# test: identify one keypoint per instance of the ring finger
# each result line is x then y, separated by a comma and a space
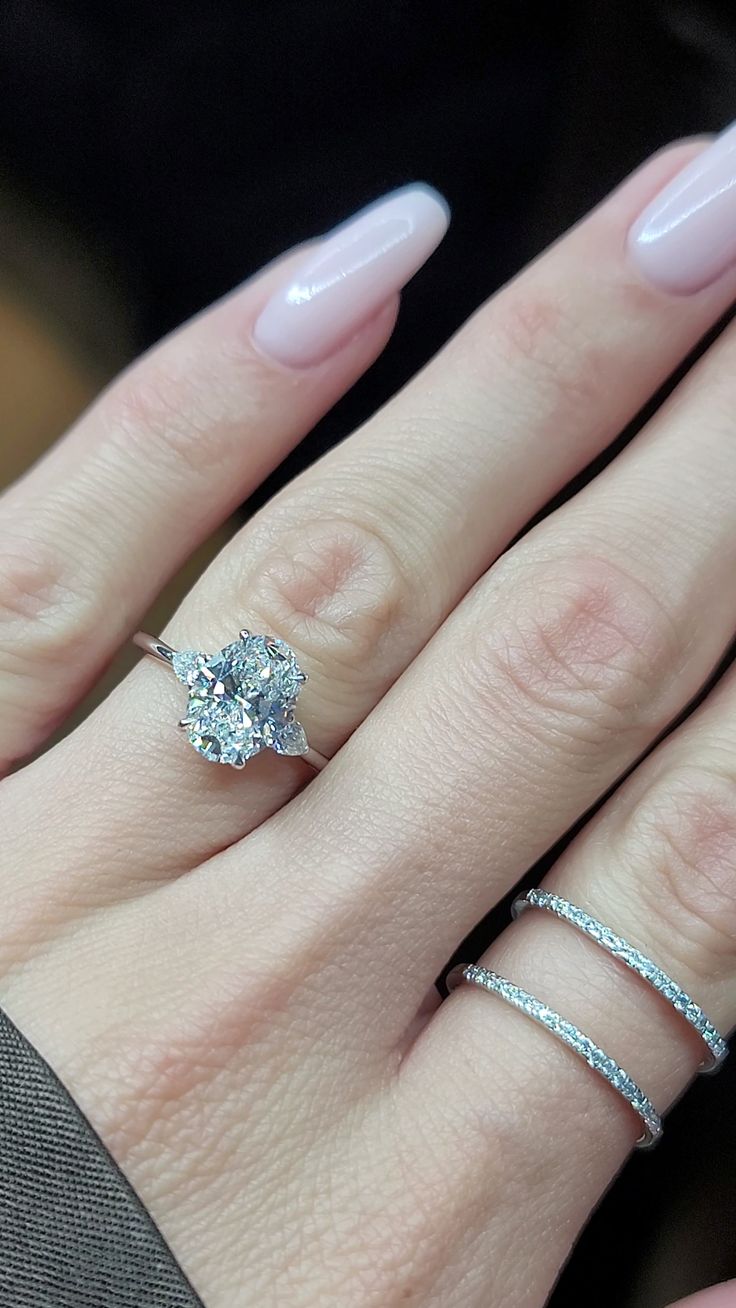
91, 533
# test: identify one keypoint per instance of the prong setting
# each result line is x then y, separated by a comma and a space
242, 699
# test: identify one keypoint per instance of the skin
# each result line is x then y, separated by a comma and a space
230, 971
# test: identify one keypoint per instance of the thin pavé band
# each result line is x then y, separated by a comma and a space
570, 1035
636, 961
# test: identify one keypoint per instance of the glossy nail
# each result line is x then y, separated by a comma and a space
686, 238
354, 271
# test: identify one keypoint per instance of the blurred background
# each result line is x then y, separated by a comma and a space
154, 155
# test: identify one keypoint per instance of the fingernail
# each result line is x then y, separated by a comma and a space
353, 272
686, 238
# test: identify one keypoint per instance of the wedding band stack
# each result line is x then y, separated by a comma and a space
571, 1035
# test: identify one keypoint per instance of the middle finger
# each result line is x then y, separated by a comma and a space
548, 682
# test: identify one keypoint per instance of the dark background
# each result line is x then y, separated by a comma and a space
152, 155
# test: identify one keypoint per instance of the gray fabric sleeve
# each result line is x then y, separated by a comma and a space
73, 1233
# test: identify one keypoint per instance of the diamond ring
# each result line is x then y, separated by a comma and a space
241, 700
632, 958
570, 1035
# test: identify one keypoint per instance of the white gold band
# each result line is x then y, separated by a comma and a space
637, 962
573, 1037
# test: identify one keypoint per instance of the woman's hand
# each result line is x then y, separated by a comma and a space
230, 970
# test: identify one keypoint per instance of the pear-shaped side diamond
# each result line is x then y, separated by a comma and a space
186, 664
290, 739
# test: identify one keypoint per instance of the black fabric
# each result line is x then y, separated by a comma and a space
73, 1234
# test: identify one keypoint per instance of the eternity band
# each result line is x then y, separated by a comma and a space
573, 1037
637, 962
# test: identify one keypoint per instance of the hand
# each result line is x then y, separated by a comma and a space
229, 970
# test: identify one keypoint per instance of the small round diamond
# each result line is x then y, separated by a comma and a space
241, 700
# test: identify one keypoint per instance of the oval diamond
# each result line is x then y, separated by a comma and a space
241, 700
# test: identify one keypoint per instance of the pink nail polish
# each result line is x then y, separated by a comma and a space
686, 238
353, 272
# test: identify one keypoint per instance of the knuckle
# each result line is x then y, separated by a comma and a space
333, 588
44, 616
683, 833
162, 410
536, 332
580, 650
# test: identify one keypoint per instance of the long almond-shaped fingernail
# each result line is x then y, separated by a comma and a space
350, 275
686, 238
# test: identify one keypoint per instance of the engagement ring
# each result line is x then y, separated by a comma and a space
241, 700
